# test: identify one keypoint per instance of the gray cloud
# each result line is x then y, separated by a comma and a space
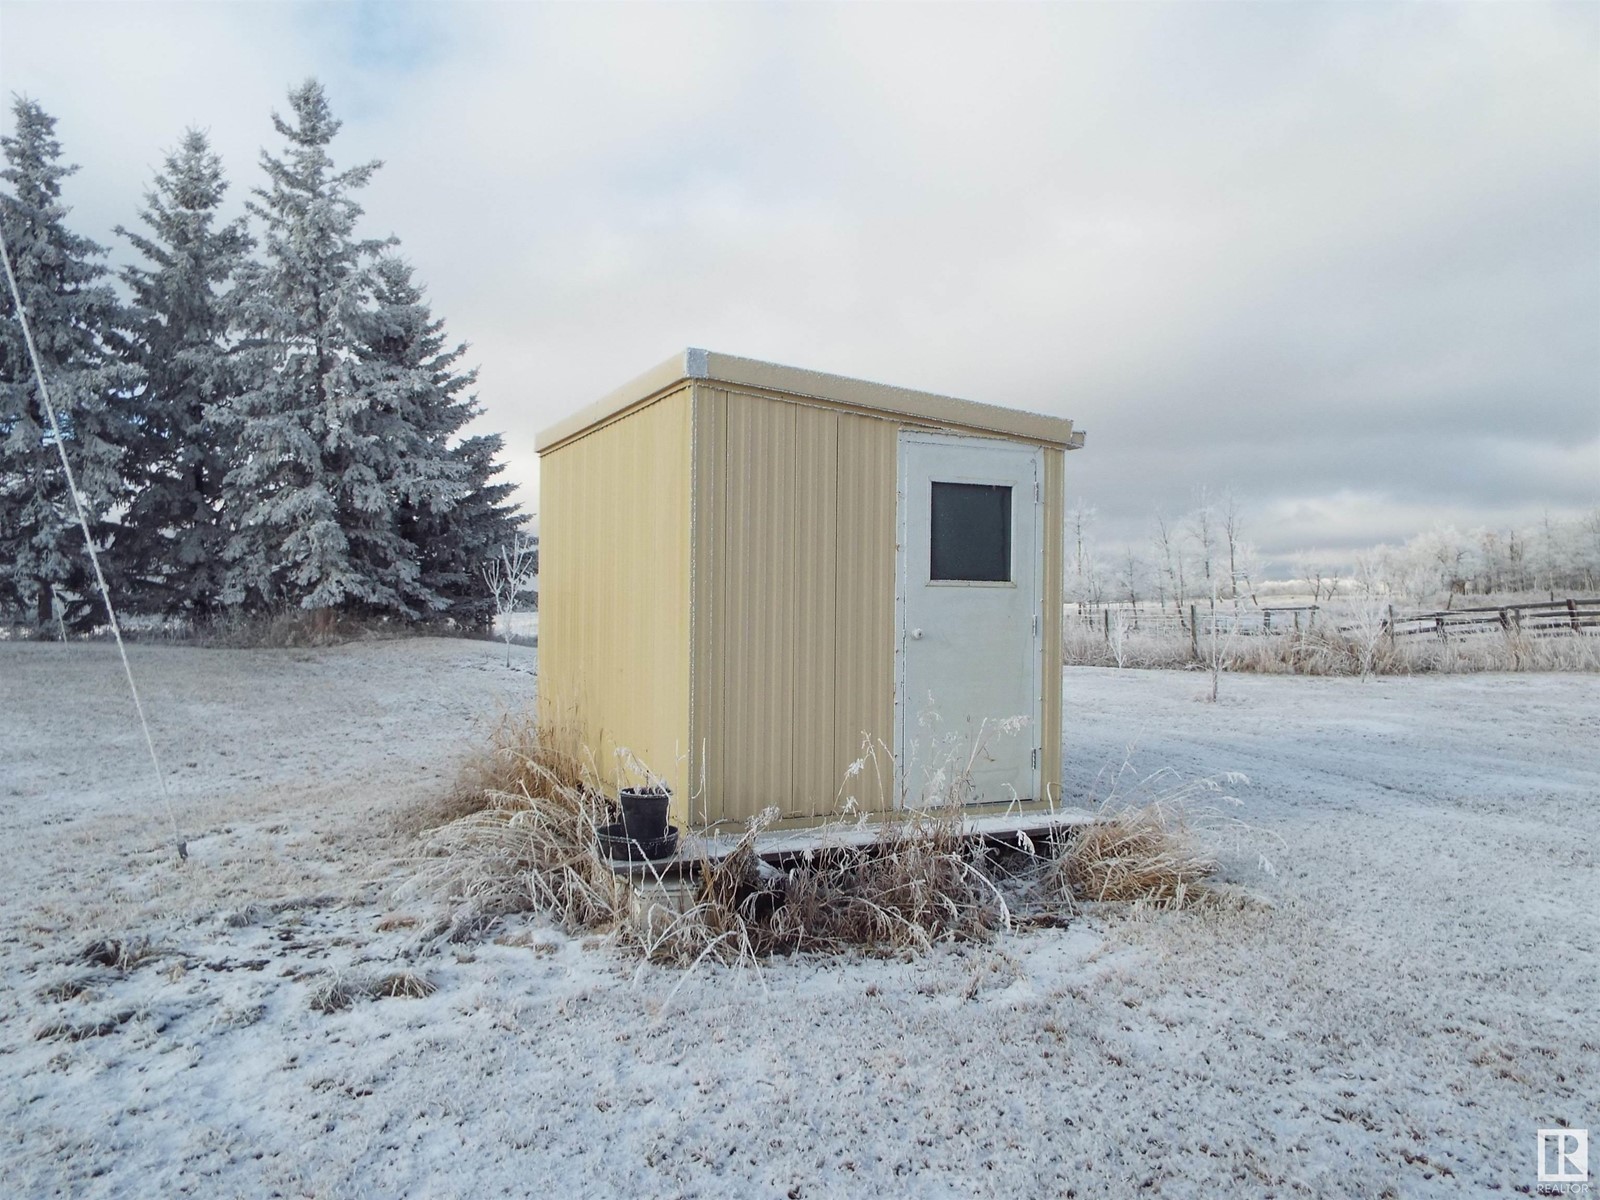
1343, 259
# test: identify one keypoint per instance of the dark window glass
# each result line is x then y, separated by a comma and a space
971, 537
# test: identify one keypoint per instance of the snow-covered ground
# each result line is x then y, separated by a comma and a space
521, 624
1414, 996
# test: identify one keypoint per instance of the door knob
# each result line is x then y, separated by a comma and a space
916, 633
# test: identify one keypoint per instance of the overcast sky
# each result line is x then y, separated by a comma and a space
1342, 258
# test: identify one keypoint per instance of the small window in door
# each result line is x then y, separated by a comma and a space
970, 533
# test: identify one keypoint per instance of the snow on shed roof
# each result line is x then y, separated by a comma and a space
692, 364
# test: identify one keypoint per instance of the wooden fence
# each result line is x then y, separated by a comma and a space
1553, 618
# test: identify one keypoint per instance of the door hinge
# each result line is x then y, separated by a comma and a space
1035, 624
1036, 491
1036, 758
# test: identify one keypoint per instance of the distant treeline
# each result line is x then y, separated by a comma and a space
269, 419
1202, 556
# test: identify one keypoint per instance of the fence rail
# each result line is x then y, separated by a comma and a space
1541, 619
1553, 618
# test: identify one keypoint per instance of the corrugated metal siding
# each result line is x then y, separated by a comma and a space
708, 610
759, 643
614, 588
1050, 667
794, 594
864, 601
815, 458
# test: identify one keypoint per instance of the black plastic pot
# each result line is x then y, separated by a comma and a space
619, 847
644, 813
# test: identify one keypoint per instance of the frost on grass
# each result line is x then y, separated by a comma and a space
120, 955
1138, 854
526, 843
525, 840
1155, 841
1368, 1033
921, 882
342, 992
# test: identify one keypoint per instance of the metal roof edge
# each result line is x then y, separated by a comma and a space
681, 366
884, 397
697, 364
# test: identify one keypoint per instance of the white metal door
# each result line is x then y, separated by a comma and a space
971, 550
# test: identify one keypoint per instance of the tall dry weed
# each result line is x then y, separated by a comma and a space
1326, 650
1139, 854
525, 841
525, 837
1154, 842
922, 880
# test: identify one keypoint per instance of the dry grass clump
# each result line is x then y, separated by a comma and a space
524, 758
922, 881
341, 993
1140, 854
1331, 649
1314, 651
524, 839
120, 955
519, 759
1318, 652
291, 629
403, 985
1147, 846
67, 1031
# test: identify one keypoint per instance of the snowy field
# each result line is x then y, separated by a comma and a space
521, 624
1411, 997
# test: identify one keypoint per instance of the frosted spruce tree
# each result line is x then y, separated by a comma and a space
485, 520
172, 549
78, 326
448, 508
310, 503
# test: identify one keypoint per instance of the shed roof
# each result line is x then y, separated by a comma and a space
692, 364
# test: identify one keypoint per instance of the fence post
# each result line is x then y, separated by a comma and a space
1389, 626
1505, 622
1106, 613
1572, 613
1438, 623
1194, 633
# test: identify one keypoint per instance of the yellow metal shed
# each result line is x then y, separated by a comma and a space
749, 572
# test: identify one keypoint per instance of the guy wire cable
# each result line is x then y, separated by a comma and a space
88, 541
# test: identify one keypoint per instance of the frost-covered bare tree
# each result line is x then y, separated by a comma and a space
508, 575
1589, 560
1205, 546
1368, 612
1082, 585
1201, 532
1131, 575
1549, 554
1218, 644
1232, 518
1169, 561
